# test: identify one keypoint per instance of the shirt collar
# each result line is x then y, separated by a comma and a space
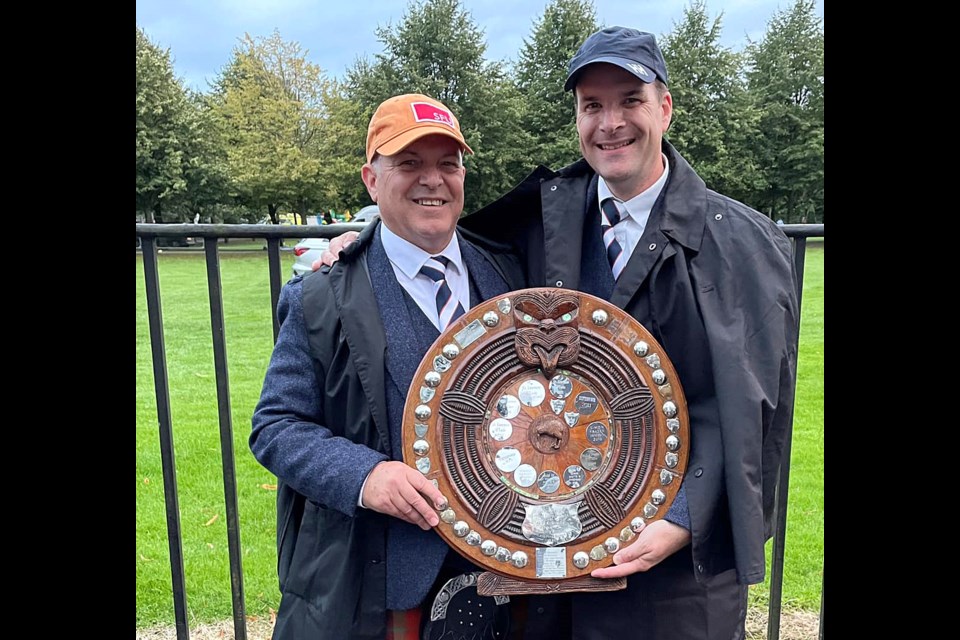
641, 204
409, 258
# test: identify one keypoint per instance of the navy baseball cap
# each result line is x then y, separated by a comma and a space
635, 51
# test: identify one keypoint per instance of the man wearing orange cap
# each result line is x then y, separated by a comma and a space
357, 557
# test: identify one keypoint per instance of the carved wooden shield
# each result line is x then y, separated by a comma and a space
555, 425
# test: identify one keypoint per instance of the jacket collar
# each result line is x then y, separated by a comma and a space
683, 211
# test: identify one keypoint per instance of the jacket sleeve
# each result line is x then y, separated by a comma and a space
289, 437
753, 334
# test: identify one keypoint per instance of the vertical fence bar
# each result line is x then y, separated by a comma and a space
158, 349
823, 585
226, 437
273, 257
783, 481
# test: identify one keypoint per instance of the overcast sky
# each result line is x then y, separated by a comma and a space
201, 34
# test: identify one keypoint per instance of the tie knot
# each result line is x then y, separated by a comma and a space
610, 211
435, 268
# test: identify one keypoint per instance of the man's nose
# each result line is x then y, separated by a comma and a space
612, 119
430, 177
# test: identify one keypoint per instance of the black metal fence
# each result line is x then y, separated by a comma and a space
148, 236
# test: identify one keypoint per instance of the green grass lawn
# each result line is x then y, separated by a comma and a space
249, 335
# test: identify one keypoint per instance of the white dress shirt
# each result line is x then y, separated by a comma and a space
407, 258
634, 213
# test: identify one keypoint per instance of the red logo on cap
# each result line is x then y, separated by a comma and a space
426, 112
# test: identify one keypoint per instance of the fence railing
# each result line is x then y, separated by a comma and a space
147, 235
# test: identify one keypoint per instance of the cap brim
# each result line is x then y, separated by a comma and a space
623, 63
402, 141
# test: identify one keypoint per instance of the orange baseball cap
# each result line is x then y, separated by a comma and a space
401, 120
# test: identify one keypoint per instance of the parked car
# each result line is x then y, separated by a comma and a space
308, 250
366, 215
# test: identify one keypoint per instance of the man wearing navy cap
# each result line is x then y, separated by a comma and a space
714, 282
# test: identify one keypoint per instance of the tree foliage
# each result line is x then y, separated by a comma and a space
713, 118
269, 105
786, 78
162, 127
437, 50
549, 112
274, 132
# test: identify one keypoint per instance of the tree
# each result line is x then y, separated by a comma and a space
270, 110
714, 123
786, 78
437, 50
549, 111
163, 124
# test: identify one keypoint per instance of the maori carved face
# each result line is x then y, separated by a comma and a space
547, 329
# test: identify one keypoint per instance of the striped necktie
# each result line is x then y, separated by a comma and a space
609, 217
448, 309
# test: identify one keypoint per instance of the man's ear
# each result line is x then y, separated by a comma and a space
369, 176
666, 107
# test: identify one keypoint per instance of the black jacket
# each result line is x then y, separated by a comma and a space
714, 282
320, 426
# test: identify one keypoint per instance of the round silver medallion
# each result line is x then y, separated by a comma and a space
573, 476
532, 393
560, 386
500, 429
507, 459
580, 559
431, 379
669, 409
586, 402
597, 433
525, 475
422, 412
590, 459
548, 481
611, 544
460, 528
504, 305
421, 447
673, 443
599, 317
636, 524
657, 497
519, 559
508, 406
491, 319
640, 348
451, 351
659, 377
488, 547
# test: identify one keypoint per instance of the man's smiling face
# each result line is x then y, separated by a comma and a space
420, 190
621, 121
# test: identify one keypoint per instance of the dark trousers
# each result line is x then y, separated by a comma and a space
665, 603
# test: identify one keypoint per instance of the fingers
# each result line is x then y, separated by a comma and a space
395, 489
